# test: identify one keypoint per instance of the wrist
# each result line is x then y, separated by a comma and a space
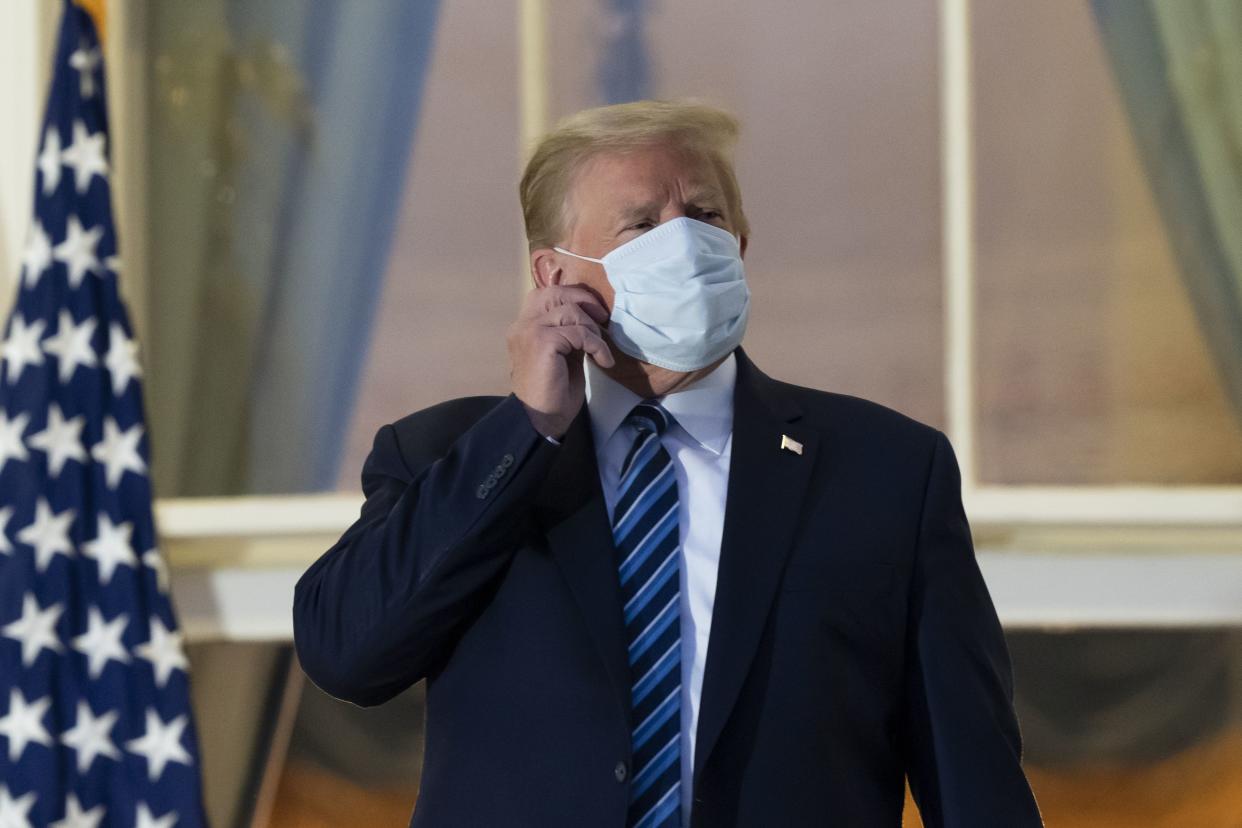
549, 427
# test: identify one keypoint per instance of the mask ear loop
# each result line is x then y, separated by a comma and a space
576, 256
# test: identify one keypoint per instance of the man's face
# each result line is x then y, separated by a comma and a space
617, 197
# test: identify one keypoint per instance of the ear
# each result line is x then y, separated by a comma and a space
741, 243
545, 267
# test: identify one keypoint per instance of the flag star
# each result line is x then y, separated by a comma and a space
37, 257
36, 629
61, 439
113, 263
77, 251
86, 155
118, 451
89, 736
71, 345
6, 546
102, 641
75, 817
146, 820
14, 813
85, 60
50, 161
122, 359
11, 445
111, 547
48, 534
155, 561
163, 651
23, 724
160, 744
22, 346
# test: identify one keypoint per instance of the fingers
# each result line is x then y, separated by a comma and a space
580, 329
599, 351
567, 315
596, 310
583, 338
543, 300
567, 318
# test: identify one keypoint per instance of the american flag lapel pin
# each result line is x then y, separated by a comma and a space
790, 444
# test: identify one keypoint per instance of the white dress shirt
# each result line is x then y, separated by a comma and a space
700, 444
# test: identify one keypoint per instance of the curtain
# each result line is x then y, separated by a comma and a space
280, 136
1178, 64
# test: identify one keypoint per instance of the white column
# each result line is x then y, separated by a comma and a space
27, 29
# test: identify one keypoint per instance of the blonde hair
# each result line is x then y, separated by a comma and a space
703, 131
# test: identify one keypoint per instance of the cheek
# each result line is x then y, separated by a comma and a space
607, 293
595, 280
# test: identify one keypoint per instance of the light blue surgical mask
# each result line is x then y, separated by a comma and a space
681, 297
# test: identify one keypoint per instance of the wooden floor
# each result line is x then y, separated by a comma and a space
1199, 788
312, 798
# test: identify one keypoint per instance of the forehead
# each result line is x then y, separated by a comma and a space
655, 173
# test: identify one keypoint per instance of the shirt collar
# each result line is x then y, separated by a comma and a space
704, 410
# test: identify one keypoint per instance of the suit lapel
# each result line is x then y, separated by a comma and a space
767, 486
571, 509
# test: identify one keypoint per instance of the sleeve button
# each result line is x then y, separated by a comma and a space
482, 491
506, 461
620, 772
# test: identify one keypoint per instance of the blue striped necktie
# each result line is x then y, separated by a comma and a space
644, 531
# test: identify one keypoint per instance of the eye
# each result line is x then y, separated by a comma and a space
641, 225
709, 215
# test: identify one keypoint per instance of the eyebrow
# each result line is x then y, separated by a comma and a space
697, 198
635, 211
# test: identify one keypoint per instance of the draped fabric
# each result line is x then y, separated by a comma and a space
280, 136
1178, 65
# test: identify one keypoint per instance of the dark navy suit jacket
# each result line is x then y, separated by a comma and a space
853, 641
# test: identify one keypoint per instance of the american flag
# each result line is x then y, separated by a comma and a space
95, 724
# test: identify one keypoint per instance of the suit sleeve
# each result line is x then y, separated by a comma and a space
386, 604
964, 746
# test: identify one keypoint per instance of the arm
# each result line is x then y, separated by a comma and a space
964, 747
386, 604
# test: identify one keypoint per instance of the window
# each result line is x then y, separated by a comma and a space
1087, 369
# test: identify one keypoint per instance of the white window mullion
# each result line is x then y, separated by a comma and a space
958, 233
532, 97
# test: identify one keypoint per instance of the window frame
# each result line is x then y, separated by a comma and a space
234, 560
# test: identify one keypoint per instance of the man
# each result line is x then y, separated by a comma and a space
654, 586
